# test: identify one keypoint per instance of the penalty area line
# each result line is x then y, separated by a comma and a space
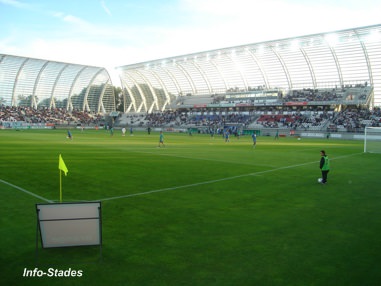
25, 191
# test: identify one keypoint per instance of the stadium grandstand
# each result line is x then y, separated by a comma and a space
267, 70
329, 82
36, 83
303, 82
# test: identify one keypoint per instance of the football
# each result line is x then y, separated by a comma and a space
320, 180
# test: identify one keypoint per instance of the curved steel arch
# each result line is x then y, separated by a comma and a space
242, 76
187, 76
34, 103
85, 105
42, 84
221, 74
366, 56
101, 108
310, 67
141, 93
350, 60
14, 102
263, 72
194, 63
284, 66
53, 102
133, 100
167, 97
337, 63
155, 102
172, 78
69, 105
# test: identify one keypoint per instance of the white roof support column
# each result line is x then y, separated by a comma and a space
52, 99
239, 71
284, 67
34, 101
141, 93
203, 75
148, 83
130, 94
14, 99
310, 67
167, 97
259, 64
85, 105
188, 77
69, 102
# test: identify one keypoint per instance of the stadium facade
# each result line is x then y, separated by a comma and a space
41, 83
327, 60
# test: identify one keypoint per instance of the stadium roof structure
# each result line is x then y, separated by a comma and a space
42, 83
325, 60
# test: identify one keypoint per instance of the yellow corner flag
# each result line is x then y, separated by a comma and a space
62, 166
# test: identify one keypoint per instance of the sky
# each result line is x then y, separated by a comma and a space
112, 33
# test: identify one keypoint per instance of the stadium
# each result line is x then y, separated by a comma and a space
327, 82
203, 209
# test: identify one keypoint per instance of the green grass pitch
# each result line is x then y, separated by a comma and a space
197, 212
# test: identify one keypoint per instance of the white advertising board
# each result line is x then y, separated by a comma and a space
70, 224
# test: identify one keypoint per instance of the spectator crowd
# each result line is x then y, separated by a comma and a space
352, 119
54, 116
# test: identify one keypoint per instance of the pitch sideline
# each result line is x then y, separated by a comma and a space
25, 191
219, 180
180, 187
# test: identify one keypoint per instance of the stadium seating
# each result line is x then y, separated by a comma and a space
341, 109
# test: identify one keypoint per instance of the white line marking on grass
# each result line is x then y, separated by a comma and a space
219, 180
25, 191
180, 187
201, 159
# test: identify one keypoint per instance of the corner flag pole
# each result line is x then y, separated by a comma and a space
61, 167
60, 186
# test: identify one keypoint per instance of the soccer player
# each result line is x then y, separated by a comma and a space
324, 166
254, 136
227, 136
161, 139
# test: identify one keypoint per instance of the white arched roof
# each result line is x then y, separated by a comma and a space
42, 83
324, 60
